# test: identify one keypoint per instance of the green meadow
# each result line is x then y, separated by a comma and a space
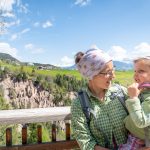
123, 77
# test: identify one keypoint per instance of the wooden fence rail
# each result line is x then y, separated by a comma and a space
24, 116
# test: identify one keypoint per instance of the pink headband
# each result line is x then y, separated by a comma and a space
92, 62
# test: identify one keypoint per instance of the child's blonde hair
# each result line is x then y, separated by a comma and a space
146, 60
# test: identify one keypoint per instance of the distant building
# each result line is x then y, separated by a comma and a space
31, 64
41, 68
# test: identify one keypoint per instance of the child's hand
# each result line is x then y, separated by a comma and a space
133, 90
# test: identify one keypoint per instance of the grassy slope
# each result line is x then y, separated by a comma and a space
123, 77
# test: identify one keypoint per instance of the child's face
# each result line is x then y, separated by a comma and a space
141, 72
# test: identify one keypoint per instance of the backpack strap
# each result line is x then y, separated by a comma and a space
120, 95
85, 104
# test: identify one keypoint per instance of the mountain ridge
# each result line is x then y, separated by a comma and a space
119, 65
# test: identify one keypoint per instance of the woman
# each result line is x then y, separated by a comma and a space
107, 124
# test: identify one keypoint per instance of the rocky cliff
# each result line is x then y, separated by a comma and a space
26, 95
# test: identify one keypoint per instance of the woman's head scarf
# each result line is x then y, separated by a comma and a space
92, 63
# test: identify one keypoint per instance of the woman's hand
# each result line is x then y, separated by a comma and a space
100, 148
133, 90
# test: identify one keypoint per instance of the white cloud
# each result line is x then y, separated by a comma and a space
37, 51
118, 53
18, 35
6, 48
25, 31
66, 61
14, 37
94, 46
47, 24
13, 23
33, 49
143, 49
9, 10
82, 2
7, 5
36, 24
8, 14
29, 46
23, 8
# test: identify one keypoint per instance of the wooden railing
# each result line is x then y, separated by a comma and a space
24, 116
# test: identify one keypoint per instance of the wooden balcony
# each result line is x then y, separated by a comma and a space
24, 116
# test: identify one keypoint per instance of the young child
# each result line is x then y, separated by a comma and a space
138, 106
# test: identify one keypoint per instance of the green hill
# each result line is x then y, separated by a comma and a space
10, 59
4, 56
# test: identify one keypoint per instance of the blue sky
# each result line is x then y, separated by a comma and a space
53, 31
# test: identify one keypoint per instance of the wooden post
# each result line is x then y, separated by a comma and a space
67, 131
9, 137
53, 132
39, 133
24, 134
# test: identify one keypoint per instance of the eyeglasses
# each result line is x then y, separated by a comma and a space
108, 73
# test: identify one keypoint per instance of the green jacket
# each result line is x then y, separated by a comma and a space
139, 117
108, 120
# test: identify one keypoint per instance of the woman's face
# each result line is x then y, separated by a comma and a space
104, 78
141, 72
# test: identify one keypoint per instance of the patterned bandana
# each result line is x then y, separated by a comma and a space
92, 62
